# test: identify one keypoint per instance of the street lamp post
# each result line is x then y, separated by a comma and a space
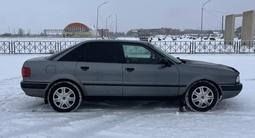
106, 25
116, 24
98, 8
202, 17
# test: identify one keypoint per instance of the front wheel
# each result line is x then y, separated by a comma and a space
64, 97
202, 97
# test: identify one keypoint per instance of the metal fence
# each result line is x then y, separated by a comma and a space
206, 47
172, 47
34, 47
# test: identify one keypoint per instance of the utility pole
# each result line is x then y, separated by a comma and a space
202, 18
116, 24
106, 25
98, 8
222, 25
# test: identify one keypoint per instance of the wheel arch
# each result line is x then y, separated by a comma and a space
204, 80
62, 80
187, 101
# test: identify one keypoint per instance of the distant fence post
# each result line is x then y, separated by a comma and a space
193, 47
237, 46
9, 45
12, 48
57, 46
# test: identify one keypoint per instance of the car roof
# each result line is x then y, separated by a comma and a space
117, 41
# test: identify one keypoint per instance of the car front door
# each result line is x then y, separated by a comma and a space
100, 72
145, 75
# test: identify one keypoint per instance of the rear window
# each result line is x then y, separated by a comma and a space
59, 53
74, 55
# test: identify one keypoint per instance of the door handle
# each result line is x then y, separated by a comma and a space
130, 69
84, 68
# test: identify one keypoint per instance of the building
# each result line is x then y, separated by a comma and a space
53, 32
77, 30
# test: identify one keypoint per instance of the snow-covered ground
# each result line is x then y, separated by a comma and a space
23, 116
178, 38
43, 39
60, 39
185, 38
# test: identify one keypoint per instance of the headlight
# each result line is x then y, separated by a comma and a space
238, 79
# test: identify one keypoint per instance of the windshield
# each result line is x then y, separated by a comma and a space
168, 55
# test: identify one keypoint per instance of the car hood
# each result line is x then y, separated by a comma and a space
208, 64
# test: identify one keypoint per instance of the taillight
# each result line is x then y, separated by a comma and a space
26, 72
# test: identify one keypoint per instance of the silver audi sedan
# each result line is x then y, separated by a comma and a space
111, 68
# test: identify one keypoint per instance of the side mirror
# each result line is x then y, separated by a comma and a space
165, 61
181, 60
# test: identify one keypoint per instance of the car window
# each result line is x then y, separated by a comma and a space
74, 55
60, 53
104, 52
167, 55
138, 54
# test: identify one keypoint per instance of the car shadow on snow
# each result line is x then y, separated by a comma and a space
230, 105
173, 104
127, 104
133, 104
113, 104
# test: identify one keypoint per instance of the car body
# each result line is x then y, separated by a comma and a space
113, 68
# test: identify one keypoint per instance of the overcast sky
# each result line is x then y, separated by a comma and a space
37, 15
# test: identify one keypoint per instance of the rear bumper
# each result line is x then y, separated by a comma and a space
229, 91
35, 89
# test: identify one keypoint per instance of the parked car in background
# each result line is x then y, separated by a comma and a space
112, 68
212, 39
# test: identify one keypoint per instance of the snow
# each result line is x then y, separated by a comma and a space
152, 38
24, 116
59, 39
11, 65
43, 39
188, 38
128, 38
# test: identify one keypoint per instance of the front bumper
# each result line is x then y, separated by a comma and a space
229, 91
35, 89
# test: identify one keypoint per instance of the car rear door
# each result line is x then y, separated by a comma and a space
144, 75
100, 72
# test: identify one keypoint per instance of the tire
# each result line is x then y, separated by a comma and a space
202, 97
64, 97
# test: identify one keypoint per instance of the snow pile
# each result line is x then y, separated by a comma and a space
23, 116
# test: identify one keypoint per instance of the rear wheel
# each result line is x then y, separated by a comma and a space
64, 97
202, 97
